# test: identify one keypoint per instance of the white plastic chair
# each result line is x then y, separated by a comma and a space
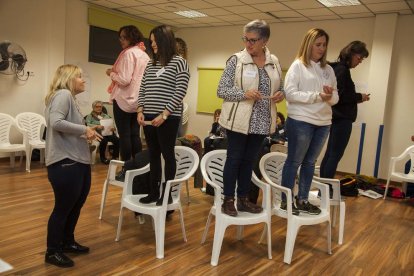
187, 164
6, 123
271, 166
393, 174
31, 125
336, 202
212, 165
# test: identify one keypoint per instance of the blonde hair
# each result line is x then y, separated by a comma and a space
305, 50
63, 79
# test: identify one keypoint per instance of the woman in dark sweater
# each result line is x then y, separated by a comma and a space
345, 111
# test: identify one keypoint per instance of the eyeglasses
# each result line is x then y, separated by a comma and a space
251, 40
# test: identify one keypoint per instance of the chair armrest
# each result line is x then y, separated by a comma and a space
266, 191
324, 194
287, 192
129, 178
335, 184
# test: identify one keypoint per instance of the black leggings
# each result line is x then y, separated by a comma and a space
128, 130
161, 140
71, 182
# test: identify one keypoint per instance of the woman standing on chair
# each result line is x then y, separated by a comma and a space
126, 76
68, 163
310, 87
250, 87
159, 110
345, 111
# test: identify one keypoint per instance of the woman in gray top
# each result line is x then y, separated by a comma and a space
68, 163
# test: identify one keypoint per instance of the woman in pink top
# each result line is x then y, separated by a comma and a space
126, 76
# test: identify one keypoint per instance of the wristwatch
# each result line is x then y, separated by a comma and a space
164, 117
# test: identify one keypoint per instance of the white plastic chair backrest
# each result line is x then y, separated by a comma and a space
278, 148
187, 163
6, 122
271, 166
32, 123
408, 152
185, 113
212, 167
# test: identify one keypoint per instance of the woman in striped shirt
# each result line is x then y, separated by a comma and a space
159, 110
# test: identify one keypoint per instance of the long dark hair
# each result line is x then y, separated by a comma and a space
165, 39
354, 48
132, 34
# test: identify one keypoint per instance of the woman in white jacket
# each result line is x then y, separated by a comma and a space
310, 88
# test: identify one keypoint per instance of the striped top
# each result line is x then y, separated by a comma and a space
163, 88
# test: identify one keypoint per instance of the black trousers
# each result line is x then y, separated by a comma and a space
71, 182
161, 140
104, 142
128, 131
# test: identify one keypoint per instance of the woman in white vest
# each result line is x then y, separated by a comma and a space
250, 86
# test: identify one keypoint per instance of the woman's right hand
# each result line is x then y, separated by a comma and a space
141, 118
253, 94
326, 95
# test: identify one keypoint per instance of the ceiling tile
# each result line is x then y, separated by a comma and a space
196, 4
208, 19
349, 9
152, 2
231, 17
324, 17
172, 7
241, 9
148, 9
169, 15
254, 2
225, 3
271, 7
257, 15
388, 7
293, 19
185, 21
107, 4
126, 3
379, 1
303, 4
411, 4
315, 12
215, 11
287, 14
357, 15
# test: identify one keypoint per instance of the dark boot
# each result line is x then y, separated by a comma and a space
153, 195
244, 205
58, 259
228, 206
121, 175
159, 202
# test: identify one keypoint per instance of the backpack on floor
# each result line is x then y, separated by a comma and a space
349, 186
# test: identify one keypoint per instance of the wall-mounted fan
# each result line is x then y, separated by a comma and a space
12, 59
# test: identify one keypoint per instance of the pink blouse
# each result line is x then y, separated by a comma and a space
127, 76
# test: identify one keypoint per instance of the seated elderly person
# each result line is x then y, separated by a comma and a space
94, 120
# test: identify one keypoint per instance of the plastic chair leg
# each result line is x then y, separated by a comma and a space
292, 231
203, 239
104, 192
329, 236
334, 214
269, 241
159, 221
341, 222
188, 192
182, 223
118, 231
386, 187
28, 157
264, 232
218, 241
240, 230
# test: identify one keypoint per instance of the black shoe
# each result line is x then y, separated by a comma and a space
150, 198
75, 248
58, 259
295, 211
159, 201
105, 161
305, 207
228, 206
121, 175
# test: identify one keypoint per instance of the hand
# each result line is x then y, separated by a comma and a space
91, 135
157, 121
253, 94
328, 89
277, 97
412, 138
365, 97
108, 71
141, 118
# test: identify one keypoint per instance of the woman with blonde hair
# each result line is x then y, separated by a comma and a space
68, 163
310, 88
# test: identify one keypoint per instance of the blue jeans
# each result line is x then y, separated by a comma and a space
337, 142
242, 150
305, 142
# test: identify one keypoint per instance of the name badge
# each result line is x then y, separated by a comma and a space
250, 74
160, 72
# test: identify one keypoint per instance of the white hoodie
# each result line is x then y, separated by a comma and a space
302, 87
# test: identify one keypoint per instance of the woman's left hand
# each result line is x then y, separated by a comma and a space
277, 97
157, 121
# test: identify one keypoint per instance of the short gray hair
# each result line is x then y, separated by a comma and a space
95, 103
258, 26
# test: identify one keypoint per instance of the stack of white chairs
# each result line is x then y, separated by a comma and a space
6, 124
212, 165
271, 166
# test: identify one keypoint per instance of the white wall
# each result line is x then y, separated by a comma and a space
54, 32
